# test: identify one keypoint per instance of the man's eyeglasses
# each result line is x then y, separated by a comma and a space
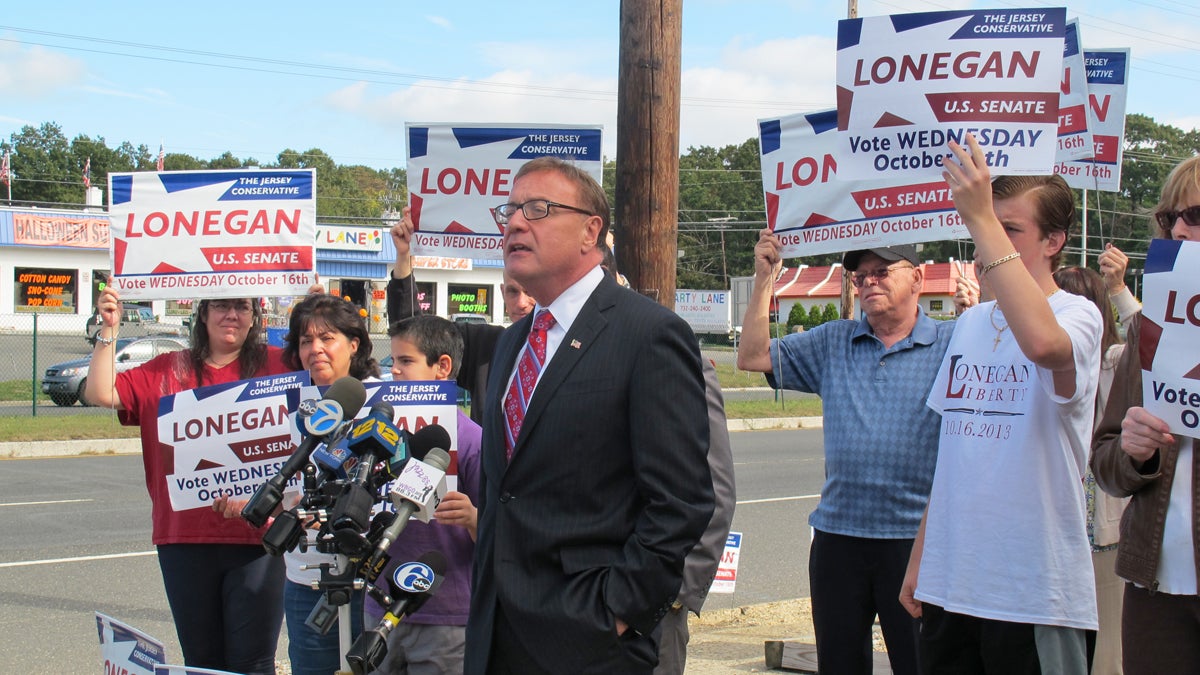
534, 209
1166, 219
859, 279
226, 306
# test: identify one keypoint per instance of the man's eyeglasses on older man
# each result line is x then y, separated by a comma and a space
859, 279
534, 209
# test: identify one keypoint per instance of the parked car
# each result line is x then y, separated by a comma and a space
65, 382
468, 318
136, 321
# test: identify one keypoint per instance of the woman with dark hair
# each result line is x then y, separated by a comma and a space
1135, 455
327, 336
224, 590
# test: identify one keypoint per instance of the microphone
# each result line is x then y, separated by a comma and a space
373, 438
412, 584
345, 395
417, 490
334, 458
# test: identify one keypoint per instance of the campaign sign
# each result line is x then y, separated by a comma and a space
226, 439
1170, 331
127, 650
813, 212
458, 173
417, 405
1074, 136
1108, 88
187, 670
213, 234
704, 311
910, 83
726, 577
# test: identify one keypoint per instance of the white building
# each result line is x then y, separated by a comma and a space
53, 264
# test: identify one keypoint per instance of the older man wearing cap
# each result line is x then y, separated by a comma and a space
881, 441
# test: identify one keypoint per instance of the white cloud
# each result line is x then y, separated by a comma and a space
1148, 33
15, 121
722, 103
508, 96
118, 93
36, 72
1187, 123
550, 56
439, 21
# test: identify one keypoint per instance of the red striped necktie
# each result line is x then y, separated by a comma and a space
529, 367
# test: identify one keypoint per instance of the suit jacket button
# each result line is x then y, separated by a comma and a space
504, 498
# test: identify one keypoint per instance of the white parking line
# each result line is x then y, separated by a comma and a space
777, 499
57, 501
85, 558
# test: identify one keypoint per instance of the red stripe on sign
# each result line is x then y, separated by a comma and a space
259, 258
995, 106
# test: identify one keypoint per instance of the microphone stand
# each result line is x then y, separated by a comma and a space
345, 638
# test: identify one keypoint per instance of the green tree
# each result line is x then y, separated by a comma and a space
44, 167
798, 316
814, 317
720, 213
830, 313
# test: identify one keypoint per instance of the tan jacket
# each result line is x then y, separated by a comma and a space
1150, 488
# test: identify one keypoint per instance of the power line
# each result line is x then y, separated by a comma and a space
364, 74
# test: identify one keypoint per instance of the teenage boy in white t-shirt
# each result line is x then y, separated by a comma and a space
1001, 572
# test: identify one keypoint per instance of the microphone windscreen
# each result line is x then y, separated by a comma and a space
384, 409
350, 393
428, 438
435, 559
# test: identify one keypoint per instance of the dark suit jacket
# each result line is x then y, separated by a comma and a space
607, 491
702, 562
479, 341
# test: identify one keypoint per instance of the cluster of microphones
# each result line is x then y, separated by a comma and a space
348, 466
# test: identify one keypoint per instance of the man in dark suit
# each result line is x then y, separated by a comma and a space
597, 487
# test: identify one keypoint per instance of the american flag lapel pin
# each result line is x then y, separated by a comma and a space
575, 344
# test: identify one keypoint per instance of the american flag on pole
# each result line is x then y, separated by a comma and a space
5, 170
87, 173
158, 165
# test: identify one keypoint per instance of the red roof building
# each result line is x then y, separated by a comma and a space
809, 286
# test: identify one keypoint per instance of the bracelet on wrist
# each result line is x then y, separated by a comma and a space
999, 261
101, 340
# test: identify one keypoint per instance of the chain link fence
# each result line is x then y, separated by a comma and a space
46, 358
47, 355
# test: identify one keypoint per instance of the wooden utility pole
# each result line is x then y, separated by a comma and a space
847, 291
647, 189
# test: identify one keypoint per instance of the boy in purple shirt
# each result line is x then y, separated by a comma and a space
432, 640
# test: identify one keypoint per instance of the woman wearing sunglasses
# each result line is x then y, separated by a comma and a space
225, 590
1134, 455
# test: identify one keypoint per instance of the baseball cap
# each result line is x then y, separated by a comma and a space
889, 254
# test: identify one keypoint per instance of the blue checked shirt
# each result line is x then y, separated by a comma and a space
881, 439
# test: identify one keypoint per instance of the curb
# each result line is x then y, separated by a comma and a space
133, 446
96, 446
775, 423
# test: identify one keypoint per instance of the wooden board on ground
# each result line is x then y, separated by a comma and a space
801, 657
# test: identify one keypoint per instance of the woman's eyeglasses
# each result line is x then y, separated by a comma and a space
1166, 219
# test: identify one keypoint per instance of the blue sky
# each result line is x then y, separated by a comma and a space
256, 78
